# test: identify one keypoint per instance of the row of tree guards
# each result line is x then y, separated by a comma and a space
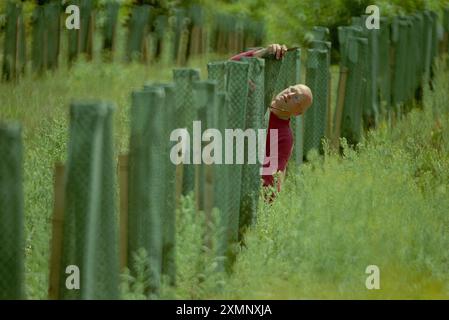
150, 36
86, 230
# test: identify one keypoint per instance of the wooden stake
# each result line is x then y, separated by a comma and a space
57, 232
329, 108
123, 185
340, 105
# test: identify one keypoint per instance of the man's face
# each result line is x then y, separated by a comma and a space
287, 101
293, 101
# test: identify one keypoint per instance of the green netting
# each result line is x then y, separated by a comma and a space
411, 60
186, 114
12, 252
217, 73
343, 34
204, 94
384, 62
90, 217
181, 22
137, 32
237, 90
317, 79
160, 28
279, 75
147, 165
81, 41
254, 120
434, 23
418, 44
249, 40
14, 51
415, 33
110, 25
358, 21
399, 39
357, 51
196, 15
169, 212
322, 45
46, 36
371, 103
320, 33
196, 18
371, 110
427, 48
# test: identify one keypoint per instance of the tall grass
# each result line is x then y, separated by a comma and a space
384, 204
41, 105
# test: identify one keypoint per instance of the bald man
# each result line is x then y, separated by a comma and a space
290, 102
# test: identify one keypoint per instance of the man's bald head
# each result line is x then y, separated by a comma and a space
305, 100
293, 101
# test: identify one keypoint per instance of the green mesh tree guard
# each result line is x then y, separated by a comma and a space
90, 217
279, 75
409, 60
12, 251
371, 110
320, 45
205, 100
137, 32
222, 183
434, 50
181, 22
418, 46
46, 36
14, 51
260, 34
412, 58
196, 17
254, 120
147, 165
168, 217
81, 41
217, 71
317, 79
399, 39
320, 33
384, 63
160, 28
186, 114
249, 33
237, 89
110, 25
427, 45
371, 103
357, 51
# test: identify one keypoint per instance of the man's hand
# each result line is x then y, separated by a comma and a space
275, 49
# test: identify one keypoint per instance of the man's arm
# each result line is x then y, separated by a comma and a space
276, 49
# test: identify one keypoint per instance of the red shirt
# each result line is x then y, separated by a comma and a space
284, 139
284, 148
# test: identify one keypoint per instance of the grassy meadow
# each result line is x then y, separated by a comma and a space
386, 203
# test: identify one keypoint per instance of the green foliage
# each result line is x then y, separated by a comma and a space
385, 204
289, 21
41, 106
